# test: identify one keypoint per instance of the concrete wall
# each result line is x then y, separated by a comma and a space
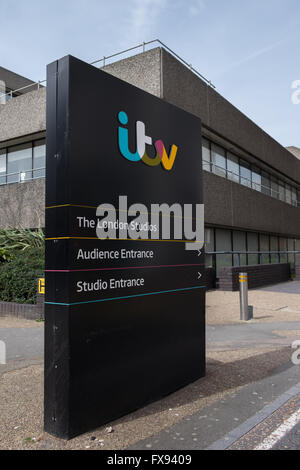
23, 115
184, 89
232, 205
22, 204
141, 70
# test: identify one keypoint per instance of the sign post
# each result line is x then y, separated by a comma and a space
125, 300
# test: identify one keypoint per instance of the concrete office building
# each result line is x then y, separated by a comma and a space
251, 182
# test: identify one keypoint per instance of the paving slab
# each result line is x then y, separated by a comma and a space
206, 429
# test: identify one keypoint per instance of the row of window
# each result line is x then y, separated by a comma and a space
235, 240
218, 160
23, 162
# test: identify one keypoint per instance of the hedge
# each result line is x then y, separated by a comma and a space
19, 275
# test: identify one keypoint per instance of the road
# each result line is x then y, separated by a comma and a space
28, 343
23, 343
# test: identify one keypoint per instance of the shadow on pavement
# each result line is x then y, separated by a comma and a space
221, 377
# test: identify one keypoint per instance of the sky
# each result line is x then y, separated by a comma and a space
249, 49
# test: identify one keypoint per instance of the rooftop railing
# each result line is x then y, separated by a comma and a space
4, 97
157, 41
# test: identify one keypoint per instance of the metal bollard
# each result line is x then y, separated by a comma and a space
243, 282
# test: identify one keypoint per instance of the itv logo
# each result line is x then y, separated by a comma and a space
162, 157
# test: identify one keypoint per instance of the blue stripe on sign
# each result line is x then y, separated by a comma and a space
125, 297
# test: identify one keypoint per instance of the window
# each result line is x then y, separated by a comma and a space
274, 247
288, 194
297, 248
265, 183
274, 187
245, 173
291, 256
224, 163
281, 191
209, 246
2, 166
239, 244
294, 197
233, 168
39, 159
22, 162
283, 247
252, 241
223, 243
260, 248
19, 163
256, 179
218, 160
206, 155
264, 243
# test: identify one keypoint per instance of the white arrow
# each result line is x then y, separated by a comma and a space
199, 275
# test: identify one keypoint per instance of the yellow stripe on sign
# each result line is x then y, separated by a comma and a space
121, 239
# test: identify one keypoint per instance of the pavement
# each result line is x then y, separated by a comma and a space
28, 343
23, 343
251, 334
219, 426
249, 399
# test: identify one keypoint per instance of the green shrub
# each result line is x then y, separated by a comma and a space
5, 255
18, 277
21, 239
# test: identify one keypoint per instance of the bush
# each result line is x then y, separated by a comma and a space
19, 275
5, 255
21, 239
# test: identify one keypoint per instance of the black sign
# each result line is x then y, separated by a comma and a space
125, 301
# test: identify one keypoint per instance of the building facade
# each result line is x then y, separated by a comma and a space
251, 182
